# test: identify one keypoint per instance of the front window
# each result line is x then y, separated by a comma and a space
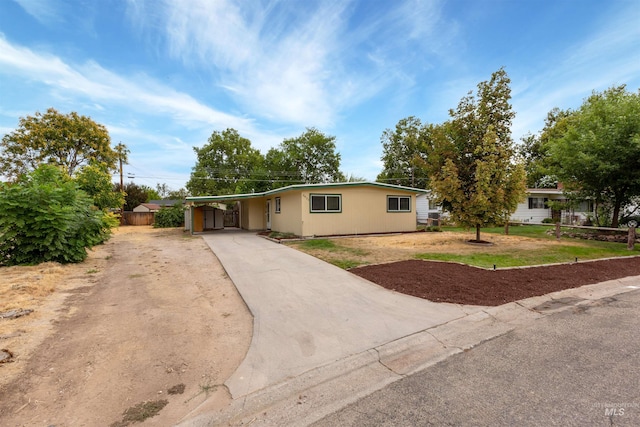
277, 207
326, 203
538, 202
398, 204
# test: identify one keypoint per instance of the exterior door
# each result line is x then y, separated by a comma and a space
268, 214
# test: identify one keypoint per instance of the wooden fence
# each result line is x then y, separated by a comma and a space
137, 218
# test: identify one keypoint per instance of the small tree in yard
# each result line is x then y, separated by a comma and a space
470, 158
45, 217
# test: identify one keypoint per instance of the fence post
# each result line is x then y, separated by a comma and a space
631, 238
557, 231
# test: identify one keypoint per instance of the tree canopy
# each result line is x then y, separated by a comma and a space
228, 164
471, 158
225, 165
403, 154
595, 150
313, 156
66, 140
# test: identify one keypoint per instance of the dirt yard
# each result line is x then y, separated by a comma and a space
149, 323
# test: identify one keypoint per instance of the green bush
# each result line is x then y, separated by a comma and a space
45, 217
548, 221
170, 216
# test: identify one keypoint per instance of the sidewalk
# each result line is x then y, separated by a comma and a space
324, 338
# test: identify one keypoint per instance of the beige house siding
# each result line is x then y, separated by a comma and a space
252, 214
289, 220
364, 210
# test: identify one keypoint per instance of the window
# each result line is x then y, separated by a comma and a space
326, 203
538, 202
277, 207
398, 204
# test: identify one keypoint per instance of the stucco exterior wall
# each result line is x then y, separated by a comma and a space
364, 210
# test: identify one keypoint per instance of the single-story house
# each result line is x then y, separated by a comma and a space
147, 207
348, 208
536, 208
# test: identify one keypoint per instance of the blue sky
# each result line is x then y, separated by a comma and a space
162, 75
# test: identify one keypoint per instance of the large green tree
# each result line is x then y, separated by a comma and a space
312, 157
403, 154
135, 195
471, 158
95, 180
595, 150
65, 140
227, 164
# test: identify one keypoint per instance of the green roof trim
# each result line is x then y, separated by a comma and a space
333, 185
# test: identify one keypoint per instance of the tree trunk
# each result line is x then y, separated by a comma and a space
477, 233
616, 213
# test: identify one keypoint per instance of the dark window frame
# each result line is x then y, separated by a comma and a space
399, 208
326, 198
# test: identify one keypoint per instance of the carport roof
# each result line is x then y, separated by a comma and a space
233, 197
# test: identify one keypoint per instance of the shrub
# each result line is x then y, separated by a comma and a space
45, 217
548, 221
170, 216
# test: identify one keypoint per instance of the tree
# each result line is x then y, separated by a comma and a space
134, 195
312, 156
227, 164
403, 154
595, 150
95, 180
45, 217
535, 151
470, 158
66, 140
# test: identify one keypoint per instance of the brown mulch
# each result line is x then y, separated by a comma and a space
463, 284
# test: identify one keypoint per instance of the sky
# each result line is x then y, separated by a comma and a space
162, 75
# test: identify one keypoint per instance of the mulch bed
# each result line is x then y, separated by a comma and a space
462, 284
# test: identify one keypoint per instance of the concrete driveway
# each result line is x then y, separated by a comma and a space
308, 313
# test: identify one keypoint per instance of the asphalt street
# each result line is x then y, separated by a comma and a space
579, 367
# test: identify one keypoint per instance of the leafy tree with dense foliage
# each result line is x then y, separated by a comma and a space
135, 194
95, 180
403, 154
227, 164
312, 156
595, 150
46, 217
169, 216
471, 158
66, 140
535, 150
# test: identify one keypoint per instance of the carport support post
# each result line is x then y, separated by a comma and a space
631, 238
557, 231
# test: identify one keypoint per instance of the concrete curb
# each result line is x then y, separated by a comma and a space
307, 398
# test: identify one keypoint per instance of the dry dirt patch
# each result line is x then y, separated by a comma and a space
149, 311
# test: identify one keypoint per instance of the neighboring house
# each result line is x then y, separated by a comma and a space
536, 208
427, 211
349, 208
147, 207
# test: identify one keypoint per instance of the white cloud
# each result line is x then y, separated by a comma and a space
610, 57
302, 64
99, 85
45, 11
